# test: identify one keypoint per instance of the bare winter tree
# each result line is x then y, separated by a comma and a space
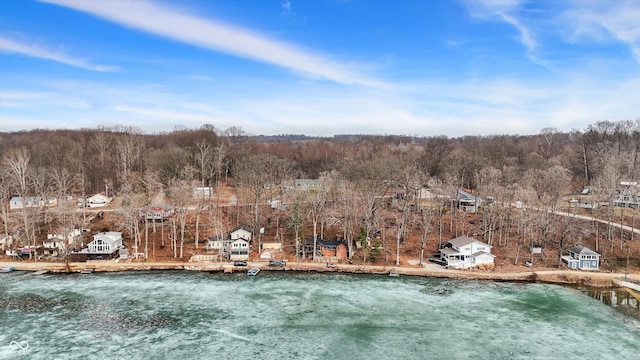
128, 151
606, 185
295, 222
181, 195
341, 210
16, 165
409, 179
131, 201
548, 186
256, 173
548, 143
316, 200
151, 187
490, 185
5, 195
371, 177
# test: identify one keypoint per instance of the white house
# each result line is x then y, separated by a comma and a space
301, 184
62, 240
18, 202
6, 241
202, 192
582, 258
240, 232
105, 243
96, 200
232, 244
466, 201
216, 243
464, 252
59, 242
239, 250
157, 213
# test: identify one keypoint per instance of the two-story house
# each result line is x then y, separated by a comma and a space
60, 241
581, 257
464, 252
234, 246
105, 245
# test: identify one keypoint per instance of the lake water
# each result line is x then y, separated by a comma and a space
192, 315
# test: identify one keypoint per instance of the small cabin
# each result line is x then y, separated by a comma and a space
583, 258
97, 200
327, 248
466, 201
202, 192
157, 213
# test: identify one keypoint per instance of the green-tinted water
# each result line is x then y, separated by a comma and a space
186, 315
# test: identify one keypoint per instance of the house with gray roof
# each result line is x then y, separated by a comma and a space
583, 258
105, 245
234, 246
466, 201
464, 252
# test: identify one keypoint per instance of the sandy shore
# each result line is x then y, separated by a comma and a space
595, 279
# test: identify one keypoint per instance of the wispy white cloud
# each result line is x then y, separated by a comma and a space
38, 51
504, 10
526, 37
31, 99
602, 21
605, 20
207, 33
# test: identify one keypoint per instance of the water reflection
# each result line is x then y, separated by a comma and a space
620, 299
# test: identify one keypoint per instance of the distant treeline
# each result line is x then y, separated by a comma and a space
104, 155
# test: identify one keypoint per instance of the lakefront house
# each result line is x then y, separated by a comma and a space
464, 252
105, 245
583, 258
235, 246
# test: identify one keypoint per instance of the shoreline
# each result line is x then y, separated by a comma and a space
563, 277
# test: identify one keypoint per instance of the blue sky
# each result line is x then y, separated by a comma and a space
320, 67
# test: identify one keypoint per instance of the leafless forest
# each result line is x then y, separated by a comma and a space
370, 190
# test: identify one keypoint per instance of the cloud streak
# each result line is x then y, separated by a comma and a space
507, 11
37, 51
181, 26
607, 21
594, 20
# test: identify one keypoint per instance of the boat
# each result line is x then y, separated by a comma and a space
7, 269
393, 273
86, 271
253, 271
39, 272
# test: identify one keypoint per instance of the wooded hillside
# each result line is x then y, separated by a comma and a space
368, 186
